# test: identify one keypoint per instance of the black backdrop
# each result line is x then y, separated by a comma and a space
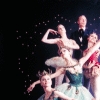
22, 25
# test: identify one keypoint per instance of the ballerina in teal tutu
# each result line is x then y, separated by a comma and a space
50, 93
73, 70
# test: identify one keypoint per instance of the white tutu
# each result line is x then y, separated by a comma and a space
56, 62
83, 93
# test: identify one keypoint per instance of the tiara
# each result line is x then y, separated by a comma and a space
43, 73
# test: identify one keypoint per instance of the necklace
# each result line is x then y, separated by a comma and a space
69, 63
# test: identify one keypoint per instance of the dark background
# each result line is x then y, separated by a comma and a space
22, 25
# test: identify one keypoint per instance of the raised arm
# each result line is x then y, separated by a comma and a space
89, 53
84, 52
49, 41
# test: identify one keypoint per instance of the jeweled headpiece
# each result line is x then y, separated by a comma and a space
41, 74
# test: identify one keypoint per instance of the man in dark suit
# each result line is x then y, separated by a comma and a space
80, 36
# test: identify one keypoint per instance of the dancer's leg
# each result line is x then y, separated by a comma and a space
59, 79
95, 85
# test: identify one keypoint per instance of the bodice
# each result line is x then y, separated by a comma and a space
93, 57
50, 98
75, 79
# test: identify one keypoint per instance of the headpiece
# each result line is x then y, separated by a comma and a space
41, 74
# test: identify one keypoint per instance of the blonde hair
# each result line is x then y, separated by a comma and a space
43, 73
59, 50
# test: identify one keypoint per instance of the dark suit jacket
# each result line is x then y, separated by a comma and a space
83, 45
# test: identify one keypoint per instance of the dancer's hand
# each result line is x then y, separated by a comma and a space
30, 88
52, 31
91, 64
60, 42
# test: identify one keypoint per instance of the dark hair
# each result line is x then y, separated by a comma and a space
81, 16
59, 25
59, 50
94, 33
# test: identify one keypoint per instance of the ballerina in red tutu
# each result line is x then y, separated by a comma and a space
92, 66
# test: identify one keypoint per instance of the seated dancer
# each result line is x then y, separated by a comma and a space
73, 70
69, 43
50, 93
92, 67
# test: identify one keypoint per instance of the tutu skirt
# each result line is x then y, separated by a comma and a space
76, 92
56, 62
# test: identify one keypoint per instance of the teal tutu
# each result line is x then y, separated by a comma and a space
78, 93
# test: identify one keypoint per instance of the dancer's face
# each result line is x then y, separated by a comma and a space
46, 81
82, 21
93, 38
65, 53
61, 29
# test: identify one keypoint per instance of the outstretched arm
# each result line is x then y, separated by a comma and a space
30, 88
89, 53
57, 73
49, 41
62, 95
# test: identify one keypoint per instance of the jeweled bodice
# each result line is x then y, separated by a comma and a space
75, 79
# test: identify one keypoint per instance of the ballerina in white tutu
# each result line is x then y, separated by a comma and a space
69, 43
